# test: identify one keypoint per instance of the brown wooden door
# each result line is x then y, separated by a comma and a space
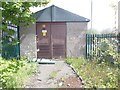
53, 45
43, 42
58, 40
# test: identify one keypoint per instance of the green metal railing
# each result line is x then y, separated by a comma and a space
10, 50
93, 39
118, 37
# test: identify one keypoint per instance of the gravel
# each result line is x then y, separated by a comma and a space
42, 79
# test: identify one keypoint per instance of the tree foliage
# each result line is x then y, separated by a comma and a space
15, 12
93, 31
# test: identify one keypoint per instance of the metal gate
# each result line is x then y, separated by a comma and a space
11, 49
51, 40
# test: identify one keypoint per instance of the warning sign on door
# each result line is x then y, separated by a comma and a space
44, 33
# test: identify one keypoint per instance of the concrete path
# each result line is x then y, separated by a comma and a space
53, 76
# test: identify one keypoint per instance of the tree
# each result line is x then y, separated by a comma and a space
93, 31
15, 13
18, 12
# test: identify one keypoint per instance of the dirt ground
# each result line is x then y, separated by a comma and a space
58, 75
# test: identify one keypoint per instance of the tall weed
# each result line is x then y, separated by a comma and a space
94, 74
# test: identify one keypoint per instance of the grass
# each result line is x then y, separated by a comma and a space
53, 74
94, 74
24, 73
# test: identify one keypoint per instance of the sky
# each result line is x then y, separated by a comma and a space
103, 14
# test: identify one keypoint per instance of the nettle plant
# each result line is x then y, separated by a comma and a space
107, 50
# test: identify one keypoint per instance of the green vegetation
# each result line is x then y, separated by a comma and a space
93, 31
107, 50
99, 72
96, 75
53, 74
15, 13
14, 73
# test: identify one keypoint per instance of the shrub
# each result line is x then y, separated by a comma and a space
99, 72
12, 75
107, 50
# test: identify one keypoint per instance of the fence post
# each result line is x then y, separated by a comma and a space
86, 46
18, 45
118, 37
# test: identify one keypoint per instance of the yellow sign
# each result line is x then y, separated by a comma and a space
44, 32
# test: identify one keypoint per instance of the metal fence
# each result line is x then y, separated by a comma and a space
92, 41
10, 50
